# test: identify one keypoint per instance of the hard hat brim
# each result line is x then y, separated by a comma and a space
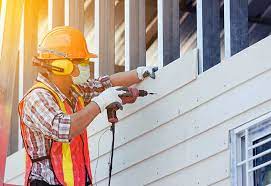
91, 55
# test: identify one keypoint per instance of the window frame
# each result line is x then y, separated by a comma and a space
250, 132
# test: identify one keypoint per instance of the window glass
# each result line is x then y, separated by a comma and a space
262, 177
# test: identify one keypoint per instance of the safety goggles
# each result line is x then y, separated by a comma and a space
82, 62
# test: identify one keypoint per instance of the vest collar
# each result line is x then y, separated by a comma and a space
51, 85
76, 91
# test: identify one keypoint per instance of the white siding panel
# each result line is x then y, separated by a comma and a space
158, 165
168, 79
209, 85
173, 134
17, 180
221, 129
202, 118
203, 173
167, 162
15, 166
235, 103
225, 182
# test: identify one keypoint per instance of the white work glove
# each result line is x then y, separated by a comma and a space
143, 72
107, 97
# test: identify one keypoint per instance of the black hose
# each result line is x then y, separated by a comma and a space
112, 153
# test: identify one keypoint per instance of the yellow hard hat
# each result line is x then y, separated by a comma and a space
64, 42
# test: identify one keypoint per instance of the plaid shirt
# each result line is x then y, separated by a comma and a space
46, 121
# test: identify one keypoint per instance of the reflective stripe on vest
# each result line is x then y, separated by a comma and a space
68, 168
66, 150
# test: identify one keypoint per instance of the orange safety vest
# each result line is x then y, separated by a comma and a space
70, 161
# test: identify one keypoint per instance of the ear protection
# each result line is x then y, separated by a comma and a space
64, 64
58, 67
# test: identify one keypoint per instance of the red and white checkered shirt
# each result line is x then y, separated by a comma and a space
46, 122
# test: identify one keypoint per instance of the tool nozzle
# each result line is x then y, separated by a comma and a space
143, 93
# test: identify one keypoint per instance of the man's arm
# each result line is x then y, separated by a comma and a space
42, 113
80, 120
125, 79
132, 77
93, 87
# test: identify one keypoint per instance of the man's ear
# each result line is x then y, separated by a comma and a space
75, 71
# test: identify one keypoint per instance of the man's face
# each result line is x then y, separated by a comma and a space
76, 62
81, 71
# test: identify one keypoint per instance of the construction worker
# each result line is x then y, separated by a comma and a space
56, 111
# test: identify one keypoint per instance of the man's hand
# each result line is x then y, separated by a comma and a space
131, 97
107, 97
143, 72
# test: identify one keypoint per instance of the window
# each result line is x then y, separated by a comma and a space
251, 153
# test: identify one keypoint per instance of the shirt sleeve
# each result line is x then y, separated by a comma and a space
93, 87
41, 113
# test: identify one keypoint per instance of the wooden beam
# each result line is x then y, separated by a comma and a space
236, 26
119, 13
89, 21
119, 68
168, 31
89, 13
74, 14
15, 135
10, 23
28, 46
87, 3
135, 34
55, 13
105, 36
208, 33
151, 32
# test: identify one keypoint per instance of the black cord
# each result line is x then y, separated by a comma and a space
112, 153
98, 156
